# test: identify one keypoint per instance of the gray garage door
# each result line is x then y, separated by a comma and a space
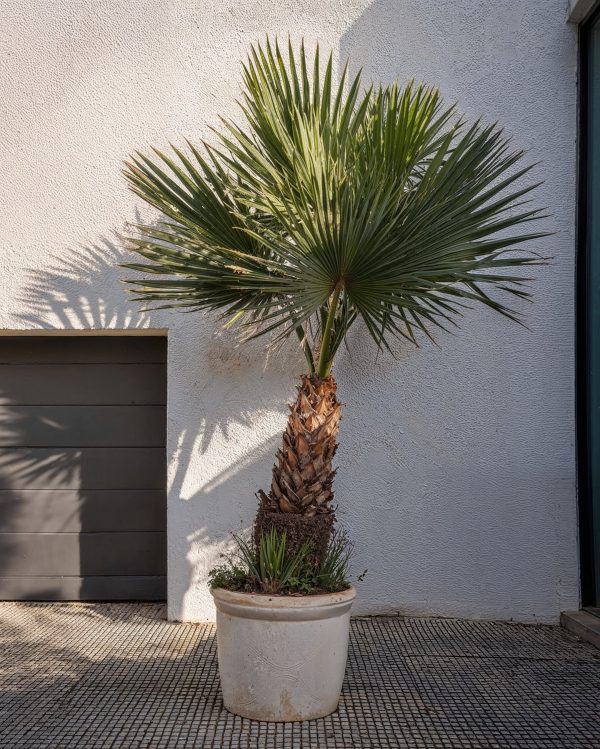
82, 468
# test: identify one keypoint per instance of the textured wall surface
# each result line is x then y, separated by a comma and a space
456, 466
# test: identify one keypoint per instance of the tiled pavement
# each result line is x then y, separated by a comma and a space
107, 675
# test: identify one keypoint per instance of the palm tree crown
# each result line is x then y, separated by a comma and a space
334, 203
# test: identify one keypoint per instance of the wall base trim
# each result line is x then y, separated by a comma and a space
583, 624
579, 10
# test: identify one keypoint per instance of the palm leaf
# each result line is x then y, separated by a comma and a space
333, 204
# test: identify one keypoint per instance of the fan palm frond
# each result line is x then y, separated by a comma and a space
335, 203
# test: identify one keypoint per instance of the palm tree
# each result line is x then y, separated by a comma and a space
334, 204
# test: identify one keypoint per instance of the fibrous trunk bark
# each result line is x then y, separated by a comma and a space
301, 494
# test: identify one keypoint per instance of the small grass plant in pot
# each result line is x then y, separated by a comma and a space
332, 205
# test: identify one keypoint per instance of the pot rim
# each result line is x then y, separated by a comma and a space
283, 608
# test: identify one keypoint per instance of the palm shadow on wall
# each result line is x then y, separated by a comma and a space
80, 288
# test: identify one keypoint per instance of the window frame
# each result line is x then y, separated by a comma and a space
587, 543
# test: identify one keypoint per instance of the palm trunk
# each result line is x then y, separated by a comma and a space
301, 495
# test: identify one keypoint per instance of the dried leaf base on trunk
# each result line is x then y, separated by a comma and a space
301, 494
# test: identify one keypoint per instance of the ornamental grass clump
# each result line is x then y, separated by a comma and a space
332, 205
268, 566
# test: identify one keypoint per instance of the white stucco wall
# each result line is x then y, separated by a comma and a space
456, 466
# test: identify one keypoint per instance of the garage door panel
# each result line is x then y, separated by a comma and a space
75, 511
82, 554
99, 588
82, 426
82, 468
85, 468
83, 350
76, 384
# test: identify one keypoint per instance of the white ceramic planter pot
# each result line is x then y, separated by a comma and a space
280, 657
